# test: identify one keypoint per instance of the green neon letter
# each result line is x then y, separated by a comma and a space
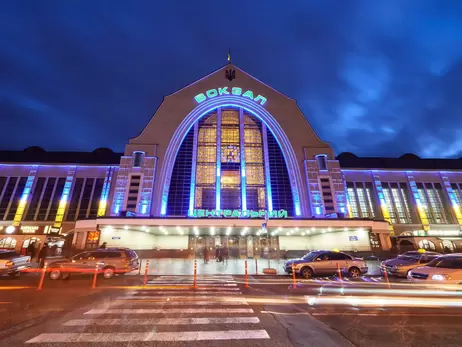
248, 94
222, 91
200, 213
253, 214
282, 214
262, 213
260, 99
210, 213
200, 97
211, 93
236, 91
273, 214
227, 213
236, 213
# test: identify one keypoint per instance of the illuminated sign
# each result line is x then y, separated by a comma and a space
29, 229
212, 93
240, 213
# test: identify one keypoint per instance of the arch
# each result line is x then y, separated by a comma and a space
256, 110
427, 244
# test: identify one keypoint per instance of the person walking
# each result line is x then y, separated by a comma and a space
31, 250
225, 254
206, 255
43, 254
104, 245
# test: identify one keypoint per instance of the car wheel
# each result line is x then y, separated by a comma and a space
108, 272
55, 274
306, 272
354, 272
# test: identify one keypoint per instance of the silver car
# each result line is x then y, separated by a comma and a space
401, 265
326, 263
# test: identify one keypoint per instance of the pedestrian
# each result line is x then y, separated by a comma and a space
54, 250
225, 254
206, 255
220, 254
43, 254
103, 246
31, 250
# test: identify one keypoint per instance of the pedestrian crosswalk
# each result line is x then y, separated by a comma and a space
214, 311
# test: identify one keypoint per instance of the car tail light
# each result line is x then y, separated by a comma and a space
9, 263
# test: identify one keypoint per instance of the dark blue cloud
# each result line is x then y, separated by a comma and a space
373, 78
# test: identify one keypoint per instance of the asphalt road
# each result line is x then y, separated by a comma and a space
220, 312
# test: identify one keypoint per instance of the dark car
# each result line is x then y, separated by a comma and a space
108, 261
401, 265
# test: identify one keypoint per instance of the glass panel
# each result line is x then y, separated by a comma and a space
389, 202
353, 203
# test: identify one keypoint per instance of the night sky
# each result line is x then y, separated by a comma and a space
376, 78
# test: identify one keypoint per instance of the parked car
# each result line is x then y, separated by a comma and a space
401, 265
326, 263
446, 268
11, 263
108, 261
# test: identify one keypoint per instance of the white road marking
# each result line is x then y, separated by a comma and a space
163, 321
173, 297
199, 288
191, 283
152, 336
201, 292
183, 303
170, 310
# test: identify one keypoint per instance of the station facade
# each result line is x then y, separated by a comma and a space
228, 160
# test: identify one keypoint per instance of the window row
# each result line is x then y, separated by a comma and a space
402, 209
45, 195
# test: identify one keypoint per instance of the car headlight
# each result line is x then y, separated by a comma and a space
438, 277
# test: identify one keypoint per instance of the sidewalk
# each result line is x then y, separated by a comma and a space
233, 267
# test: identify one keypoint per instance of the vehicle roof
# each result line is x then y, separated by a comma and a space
417, 252
455, 255
6, 250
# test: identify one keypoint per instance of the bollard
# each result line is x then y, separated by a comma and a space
95, 275
294, 279
246, 285
339, 272
385, 274
145, 280
256, 266
42, 277
195, 274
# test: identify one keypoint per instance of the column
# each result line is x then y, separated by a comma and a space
218, 175
25, 196
269, 194
105, 193
64, 196
192, 189
452, 198
383, 203
242, 150
418, 202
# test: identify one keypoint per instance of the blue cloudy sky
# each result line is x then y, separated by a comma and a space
376, 78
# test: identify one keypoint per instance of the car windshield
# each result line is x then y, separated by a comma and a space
411, 257
310, 255
446, 262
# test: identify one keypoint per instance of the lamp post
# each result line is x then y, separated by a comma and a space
264, 226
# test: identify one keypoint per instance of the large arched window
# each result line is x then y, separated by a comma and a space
229, 160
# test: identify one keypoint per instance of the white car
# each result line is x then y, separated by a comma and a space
447, 268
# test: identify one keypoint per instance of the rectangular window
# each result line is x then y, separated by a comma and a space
85, 201
17, 196
359, 196
396, 198
34, 202
75, 198
7, 194
46, 198
56, 199
96, 197
432, 198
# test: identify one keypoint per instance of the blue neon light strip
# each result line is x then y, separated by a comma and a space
269, 194
242, 148
252, 108
192, 189
218, 161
